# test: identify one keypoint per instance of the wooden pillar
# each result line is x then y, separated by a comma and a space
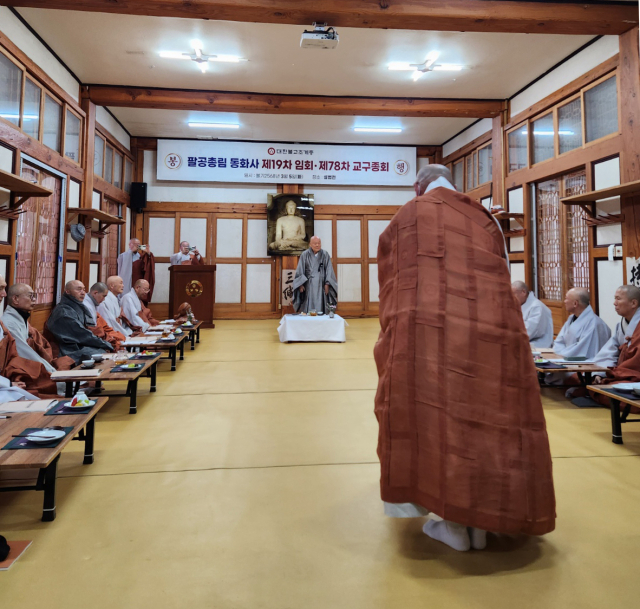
497, 146
87, 188
630, 152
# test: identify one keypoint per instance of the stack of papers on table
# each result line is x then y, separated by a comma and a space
141, 340
76, 374
27, 406
572, 362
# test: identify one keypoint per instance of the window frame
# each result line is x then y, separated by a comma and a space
564, 103
68, 108
615, 74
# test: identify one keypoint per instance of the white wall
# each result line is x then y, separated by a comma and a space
113, 127
37, 52
588, 59
476, 130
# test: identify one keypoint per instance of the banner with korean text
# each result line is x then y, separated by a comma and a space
250, 162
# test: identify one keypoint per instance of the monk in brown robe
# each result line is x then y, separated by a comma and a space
184, 310
462, 431
29, 374
137, 263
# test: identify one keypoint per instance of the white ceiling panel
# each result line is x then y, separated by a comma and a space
123, 49
289, 128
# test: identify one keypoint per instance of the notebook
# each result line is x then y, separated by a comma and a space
27, 406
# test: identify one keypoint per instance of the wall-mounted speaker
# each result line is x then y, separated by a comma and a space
138, 196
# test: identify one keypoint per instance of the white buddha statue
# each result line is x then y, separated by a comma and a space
290, 231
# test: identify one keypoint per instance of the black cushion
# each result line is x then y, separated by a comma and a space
4, 549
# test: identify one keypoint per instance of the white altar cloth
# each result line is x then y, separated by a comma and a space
305, 328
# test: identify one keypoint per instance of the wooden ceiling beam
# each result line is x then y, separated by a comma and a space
515, 16
263, 103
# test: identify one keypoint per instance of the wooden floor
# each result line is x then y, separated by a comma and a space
250, 481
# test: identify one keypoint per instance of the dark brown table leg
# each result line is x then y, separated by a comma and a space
49, 488
172, 355
132, 390
192, 339
68, 389
89, 435
182, 342
616, 425
154, 370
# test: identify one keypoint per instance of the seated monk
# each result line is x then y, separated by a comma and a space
622, 352
184, 310
111, 310
70, 324
134, 309
21, 373
100, 327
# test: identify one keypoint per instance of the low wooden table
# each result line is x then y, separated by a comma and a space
46, 459
172, 347
617, 418
149, 368
584, 371
194, 333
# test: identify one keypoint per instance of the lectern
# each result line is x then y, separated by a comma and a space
195, 284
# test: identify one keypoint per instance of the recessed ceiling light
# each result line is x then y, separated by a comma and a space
429, 65
377, 130
215, 125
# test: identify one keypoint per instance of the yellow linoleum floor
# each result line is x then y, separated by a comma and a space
250, 481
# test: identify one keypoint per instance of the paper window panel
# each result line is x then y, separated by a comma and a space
74, 194
570, 126
6, 159
517, 143
70, 271
10, 91
458, 175
610, 277
376, 228
349, 239
229, 238
374, 287
161, 236
72, 137
98, 156
601, 109
485, 164
516, 206
258, 283
96, 200
72, 245
487, 202
257, 239
324, 230
51, 133
94, 273
605, 175
517, 271
229, 283
194, 230
161, 288
349, 283
95, 242
4, 268
31, 111
4, 230
543, 138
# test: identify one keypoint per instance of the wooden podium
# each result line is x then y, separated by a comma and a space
195, 284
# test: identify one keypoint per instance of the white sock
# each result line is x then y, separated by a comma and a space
478, 538
452, 534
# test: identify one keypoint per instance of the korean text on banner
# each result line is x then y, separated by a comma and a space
249, 162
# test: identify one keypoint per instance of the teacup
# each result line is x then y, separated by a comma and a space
97, 357
88, 363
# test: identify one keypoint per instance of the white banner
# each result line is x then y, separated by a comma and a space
249, 162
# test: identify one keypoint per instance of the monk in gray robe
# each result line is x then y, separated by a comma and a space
70, 323
314, 286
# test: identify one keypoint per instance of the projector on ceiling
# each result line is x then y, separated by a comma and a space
321, 37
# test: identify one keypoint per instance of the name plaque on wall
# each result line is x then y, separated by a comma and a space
256, 163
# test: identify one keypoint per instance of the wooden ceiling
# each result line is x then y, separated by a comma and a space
220, 101
535, 17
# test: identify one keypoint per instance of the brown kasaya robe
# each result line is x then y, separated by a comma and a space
462, 431
44, 349
183, 312
145, 315
144, 268
104, 331
19, 369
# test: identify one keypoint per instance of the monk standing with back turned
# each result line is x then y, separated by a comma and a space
462, 432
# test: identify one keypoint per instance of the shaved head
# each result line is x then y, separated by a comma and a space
315, 244
430, 173
75, 289
17, 289
626, 301
631, 291
581, 295
520, 291
100, 288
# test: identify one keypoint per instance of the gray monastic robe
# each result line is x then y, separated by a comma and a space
69, 323
92, 308
19, 329
314, 272
582, 336
538, 321
110, 310
608, 356
131, 307
125, 266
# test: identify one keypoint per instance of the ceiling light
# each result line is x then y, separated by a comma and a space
377, 130
429, 65
215, 125
199, 57
174, 55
